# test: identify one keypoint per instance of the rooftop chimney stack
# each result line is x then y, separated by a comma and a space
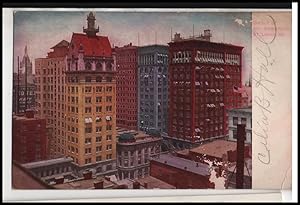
87, 174
99, 184
136, 185
59, 180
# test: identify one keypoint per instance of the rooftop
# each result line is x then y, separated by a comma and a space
154, 183
242, 109
216, 148
184, 164
247, 167
47, 162
137, 136
96, 46
84, 184
24, 179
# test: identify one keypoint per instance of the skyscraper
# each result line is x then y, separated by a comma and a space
127, 82
203, 76
90, 100
50, 96
153, 87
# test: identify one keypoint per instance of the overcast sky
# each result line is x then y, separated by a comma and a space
40, 30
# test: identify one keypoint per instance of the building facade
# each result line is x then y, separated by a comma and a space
90, 100
23, 84
134, 150
29, 138
153, 87
202, 78
50, 96
240, 116
181, 173
126, 61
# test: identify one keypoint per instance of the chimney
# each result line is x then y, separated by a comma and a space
107, 178
99, 184
240, 160
29, 113
59, 180
136, 185
87, 174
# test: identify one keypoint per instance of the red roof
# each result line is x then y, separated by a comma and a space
97, 46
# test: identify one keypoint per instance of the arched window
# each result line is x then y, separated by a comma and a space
88, 66
108, 66
98, 66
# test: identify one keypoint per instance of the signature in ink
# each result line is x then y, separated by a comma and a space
264, 84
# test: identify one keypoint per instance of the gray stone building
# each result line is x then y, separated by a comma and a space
134, 150
153, 87
240, 116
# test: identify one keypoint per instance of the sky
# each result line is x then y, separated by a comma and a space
40, 30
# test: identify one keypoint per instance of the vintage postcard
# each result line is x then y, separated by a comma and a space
154, 99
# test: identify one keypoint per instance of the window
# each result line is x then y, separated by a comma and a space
88, 100
108, 147
88, 110
88, 66
244, 121
98, 109
88, 150
108, 137
89, 160
98, 99
98, 119
109, 89
108, 79
98, 129
98, 148
98, 66
98, 139
108, 127
108, 108
88, 140
108, 98
98, 89
88, 79
88, 89
235, 120
98, 158
108, 156
88, 130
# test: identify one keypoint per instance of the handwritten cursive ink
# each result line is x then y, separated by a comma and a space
263, 83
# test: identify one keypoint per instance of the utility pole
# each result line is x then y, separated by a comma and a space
240, 161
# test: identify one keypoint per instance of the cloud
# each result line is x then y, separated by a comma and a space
239, 22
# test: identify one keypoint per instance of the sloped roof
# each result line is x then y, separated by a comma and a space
95, 46
63, 43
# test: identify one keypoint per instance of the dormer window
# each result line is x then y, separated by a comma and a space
88, 66
98, 66
108, 66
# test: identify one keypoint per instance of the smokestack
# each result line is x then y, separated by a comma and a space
99, 184
87, 174
136, 185
241, 136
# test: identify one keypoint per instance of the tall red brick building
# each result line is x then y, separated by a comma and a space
29, 138
127, 65
203, 77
